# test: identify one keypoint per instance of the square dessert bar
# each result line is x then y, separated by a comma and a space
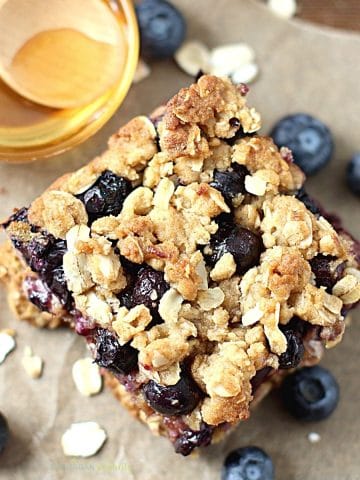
193, 262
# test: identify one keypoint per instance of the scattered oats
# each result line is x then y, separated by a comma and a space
314, 437
163, 194
87, 378
33, 364
283, 8
211, 298
245, 74
227, 59
252, 316
83, 439
7, 344
192, 57
255, 185
142, 71
170, 305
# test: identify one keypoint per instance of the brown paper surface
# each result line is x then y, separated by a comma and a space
303, 68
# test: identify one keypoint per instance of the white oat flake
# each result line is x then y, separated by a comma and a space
7, 344
314, 437
83, 439
283, 8
33, 364
86, 376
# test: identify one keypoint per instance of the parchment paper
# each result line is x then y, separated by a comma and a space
303, 68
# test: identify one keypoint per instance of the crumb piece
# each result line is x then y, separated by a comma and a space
142, 71
283, 8
7, 344
86, 376
314, 437
33, 364
83, 439
224, 268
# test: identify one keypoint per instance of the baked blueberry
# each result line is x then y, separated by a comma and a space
106, 196
162, 28
243, 244
353, 174
177, 399
308, 201
309, 139
326, 275
4, 432
248, 463
230, 182
294, 351
110, 354
148, 288
311, 394
190, 439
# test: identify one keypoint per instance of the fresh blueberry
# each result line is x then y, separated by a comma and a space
243, 244
248, 463
311, 394
4, 432
106, 196
110, 354
308, 201
353, 174
177, 399
325, 275
162, 28
190, 439
309, 139
230, 182
294, 351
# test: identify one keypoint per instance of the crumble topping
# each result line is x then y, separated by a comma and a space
221, 321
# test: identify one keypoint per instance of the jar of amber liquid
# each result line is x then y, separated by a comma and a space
41, 113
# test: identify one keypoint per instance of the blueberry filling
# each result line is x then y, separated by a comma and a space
44, 254
230, 182
243, 244
325, 275
106, 196
111, 355
146, 289
308, 201
177, 399
19, 216
294, 351
190, 439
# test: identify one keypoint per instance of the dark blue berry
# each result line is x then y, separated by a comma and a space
190, 439
243, 244
311, 394
308, 201
294, 351
4, 432
230, 182
110, 354
148, 288
162, 28
106, 196
177, 399
326, 275
308, 138
19, 216
248, 463
353, 174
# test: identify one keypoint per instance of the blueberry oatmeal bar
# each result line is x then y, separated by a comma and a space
193, 262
